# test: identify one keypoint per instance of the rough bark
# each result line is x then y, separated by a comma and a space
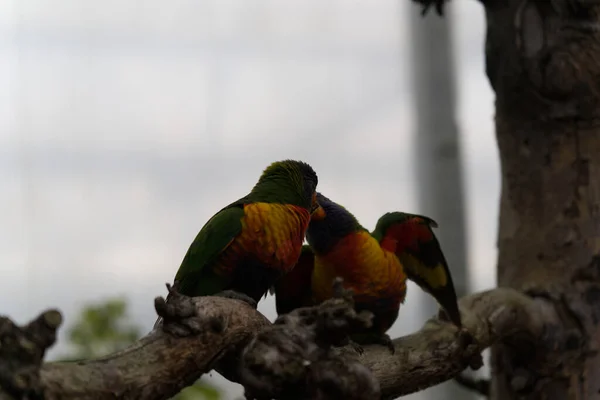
543, 62
292, 358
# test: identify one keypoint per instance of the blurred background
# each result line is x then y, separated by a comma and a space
124, 125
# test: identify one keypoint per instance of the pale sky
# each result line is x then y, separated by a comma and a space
124, 125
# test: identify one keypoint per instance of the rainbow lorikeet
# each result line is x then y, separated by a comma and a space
247, 245
421, 255
408, 236
342, 247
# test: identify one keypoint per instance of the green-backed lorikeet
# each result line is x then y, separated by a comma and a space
246, 246
421, 255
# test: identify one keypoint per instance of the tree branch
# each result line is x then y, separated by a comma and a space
295, 351
434, 355
160, 364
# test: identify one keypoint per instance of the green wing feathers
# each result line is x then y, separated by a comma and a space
195, 276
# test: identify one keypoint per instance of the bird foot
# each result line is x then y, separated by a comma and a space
232, 294
376, 338
354, 346
182, 328
468, 342
386, 340
178, 314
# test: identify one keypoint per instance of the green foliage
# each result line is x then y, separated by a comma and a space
199, 390
105, 328
102, 329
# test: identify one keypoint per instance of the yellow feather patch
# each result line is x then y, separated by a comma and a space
435, 277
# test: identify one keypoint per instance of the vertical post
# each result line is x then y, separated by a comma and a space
22, 131
437, 155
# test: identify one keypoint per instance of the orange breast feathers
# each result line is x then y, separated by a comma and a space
273, 234
365, 266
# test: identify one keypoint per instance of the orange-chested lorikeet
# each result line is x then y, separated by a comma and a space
246, 246
344, 248
417, 248
421, 255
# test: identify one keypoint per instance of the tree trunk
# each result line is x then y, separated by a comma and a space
543, 61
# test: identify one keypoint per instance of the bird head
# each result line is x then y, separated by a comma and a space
291, 182
337, 223
390, 219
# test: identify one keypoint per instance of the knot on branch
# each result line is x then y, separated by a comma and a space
291, 359
22, 350
341, 378
471, 349
182, 316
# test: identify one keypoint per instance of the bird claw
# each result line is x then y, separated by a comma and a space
468, 342
232, 294
179, 329
465, 338
385, 340
354, 346
375, 338
177, 314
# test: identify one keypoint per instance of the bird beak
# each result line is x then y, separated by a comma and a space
316, 211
